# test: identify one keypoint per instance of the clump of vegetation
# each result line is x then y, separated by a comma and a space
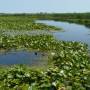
39, 42
22, 23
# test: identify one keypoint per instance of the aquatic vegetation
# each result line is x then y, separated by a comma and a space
40, 42
23, 23
69, 70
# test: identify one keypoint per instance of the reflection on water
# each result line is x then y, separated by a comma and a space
23, 57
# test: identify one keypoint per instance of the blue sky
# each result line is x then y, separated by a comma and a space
27, 6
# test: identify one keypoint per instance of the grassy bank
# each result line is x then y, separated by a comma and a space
80, 18
85, 22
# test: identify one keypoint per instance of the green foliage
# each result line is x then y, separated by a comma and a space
22, 23
39, 42
70, 68
69, 71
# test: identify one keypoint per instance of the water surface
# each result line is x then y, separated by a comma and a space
72, 31
33, 58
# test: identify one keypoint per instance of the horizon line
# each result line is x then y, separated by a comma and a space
40, 12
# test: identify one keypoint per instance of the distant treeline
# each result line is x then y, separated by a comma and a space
80, 18
55, 16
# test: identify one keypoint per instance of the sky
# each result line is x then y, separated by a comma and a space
50, 6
